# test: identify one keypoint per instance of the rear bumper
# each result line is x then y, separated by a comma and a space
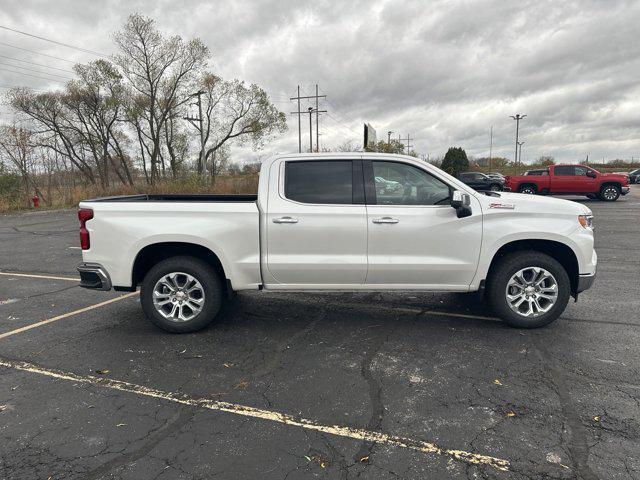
94, 276
585, 282
624, 190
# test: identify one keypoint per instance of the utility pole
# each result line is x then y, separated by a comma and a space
408, 140
490, 146
200, 128
310, 131
299, 112
520, 145
517, 117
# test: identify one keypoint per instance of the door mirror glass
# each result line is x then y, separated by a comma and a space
591, 174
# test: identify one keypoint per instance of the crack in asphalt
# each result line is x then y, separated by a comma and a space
173, 425
576, 444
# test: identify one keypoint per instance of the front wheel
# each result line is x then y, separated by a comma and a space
528, 289
181, 294
527, 189
609, 193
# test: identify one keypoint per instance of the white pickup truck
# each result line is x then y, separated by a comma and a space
329, 222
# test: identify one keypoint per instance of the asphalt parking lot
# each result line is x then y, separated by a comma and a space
317, 386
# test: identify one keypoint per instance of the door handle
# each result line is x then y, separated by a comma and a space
285, 220
385, 220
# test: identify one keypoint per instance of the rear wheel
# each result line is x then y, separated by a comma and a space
495, 187
528, 189
528, 289
181, 294
609, 193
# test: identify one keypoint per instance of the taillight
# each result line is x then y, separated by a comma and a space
84, 214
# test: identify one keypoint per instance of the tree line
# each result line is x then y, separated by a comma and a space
131, 116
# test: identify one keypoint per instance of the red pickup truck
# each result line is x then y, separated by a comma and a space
571, 180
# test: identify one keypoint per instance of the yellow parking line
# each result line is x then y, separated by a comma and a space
33, 275
66, 315
268, 415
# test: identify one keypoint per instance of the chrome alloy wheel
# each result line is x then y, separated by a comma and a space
531, 292
610, 193
178, 296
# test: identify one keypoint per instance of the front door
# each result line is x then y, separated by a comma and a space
415, 239
317, 224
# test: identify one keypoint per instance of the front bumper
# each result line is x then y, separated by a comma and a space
94, 276
585, 282
624, 190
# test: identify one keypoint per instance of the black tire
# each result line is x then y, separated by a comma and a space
502, 272
495, 187
211, 287
528, 189
592, 196
609, 193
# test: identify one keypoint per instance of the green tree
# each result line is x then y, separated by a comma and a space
455, 161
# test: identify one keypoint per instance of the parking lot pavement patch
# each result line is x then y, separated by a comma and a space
262, 414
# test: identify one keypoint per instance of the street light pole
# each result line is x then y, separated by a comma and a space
520, 153
517, 117
389, 137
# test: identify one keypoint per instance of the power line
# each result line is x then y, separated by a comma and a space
85, 50
36, 64
343, 124
36, 71
37, 53
30, 75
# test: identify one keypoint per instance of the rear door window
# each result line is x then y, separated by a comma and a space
319, 182
564, 170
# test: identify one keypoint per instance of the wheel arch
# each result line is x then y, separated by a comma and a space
154, 253
561, 252
610, 182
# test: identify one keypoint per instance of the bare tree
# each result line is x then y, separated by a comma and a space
159, 71
235, 111
16, 147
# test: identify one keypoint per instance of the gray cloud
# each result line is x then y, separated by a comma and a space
441, 71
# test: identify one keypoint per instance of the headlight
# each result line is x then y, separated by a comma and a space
586, 221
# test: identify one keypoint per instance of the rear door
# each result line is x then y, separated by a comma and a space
563, 179
415, 239
317, 223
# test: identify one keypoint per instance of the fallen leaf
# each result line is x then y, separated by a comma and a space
227, 365
511, 414
308, 458
323, 465
102, 372
184, 351
497, 382
243, 384
365, 459
3, 408
596, 418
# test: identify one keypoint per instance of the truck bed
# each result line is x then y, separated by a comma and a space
177, 198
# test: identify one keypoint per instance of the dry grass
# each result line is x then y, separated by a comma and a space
70, 196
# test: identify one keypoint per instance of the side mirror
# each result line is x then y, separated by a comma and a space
591, 174
462, 203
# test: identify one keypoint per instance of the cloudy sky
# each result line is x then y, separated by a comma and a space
443, 72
